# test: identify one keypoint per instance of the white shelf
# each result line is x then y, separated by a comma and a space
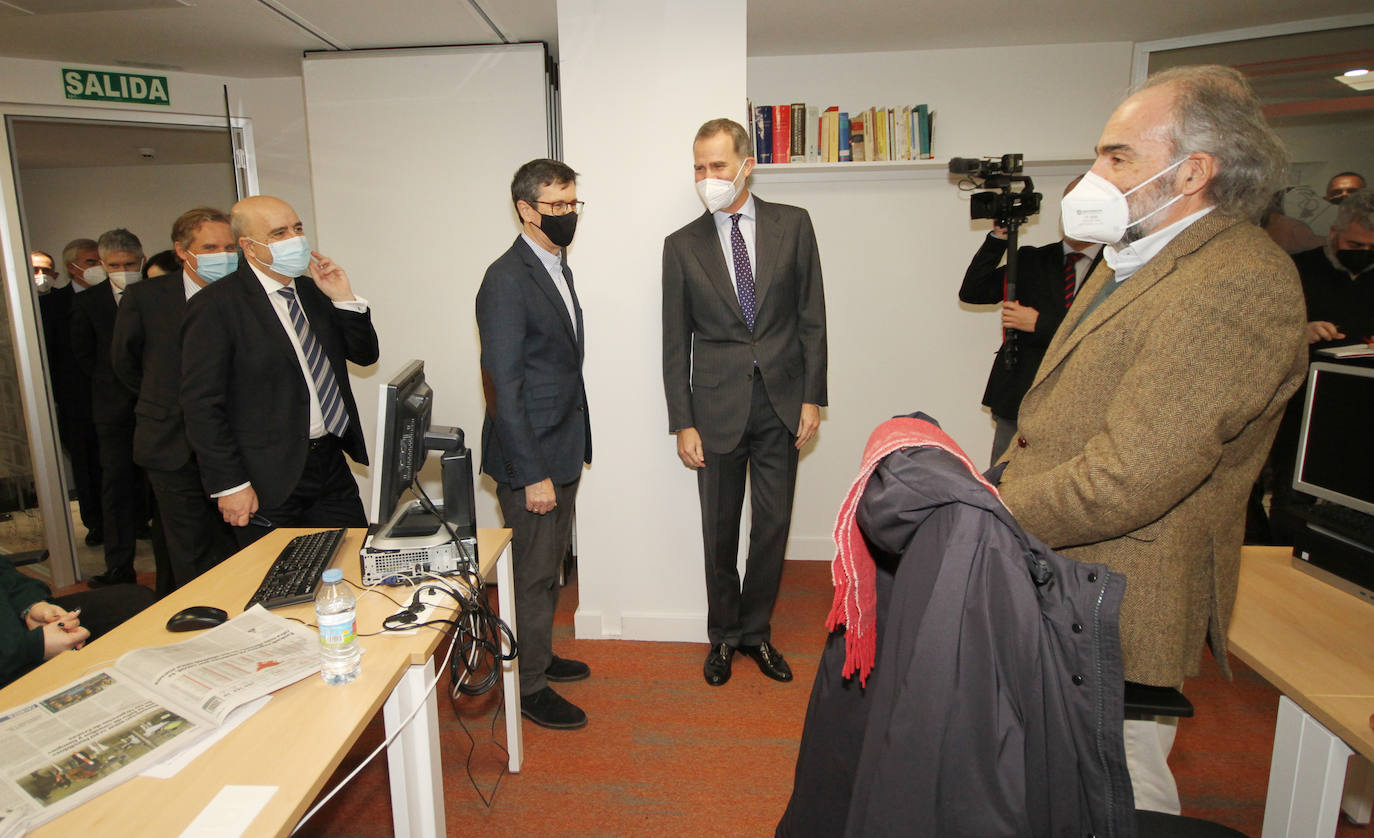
883, 169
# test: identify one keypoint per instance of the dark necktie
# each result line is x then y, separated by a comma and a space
1070, 276
744, 275
331, 403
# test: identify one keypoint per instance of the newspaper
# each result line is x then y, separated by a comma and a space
93, 734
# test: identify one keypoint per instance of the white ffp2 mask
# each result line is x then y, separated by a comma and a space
1096, 211
717, 194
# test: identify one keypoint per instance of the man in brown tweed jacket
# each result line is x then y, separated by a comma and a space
1160, 393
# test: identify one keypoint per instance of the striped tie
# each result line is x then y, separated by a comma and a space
1071, 276
331, 403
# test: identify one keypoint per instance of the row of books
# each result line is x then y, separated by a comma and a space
801, 133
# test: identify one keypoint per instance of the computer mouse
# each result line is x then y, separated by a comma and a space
197, 617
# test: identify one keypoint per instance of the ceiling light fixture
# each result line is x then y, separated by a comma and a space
1359, 79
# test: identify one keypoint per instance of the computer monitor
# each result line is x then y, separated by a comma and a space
1336, 445
1335, 453
403, 413
404, 438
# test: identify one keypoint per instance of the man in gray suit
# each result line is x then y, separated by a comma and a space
536, 434
744, 362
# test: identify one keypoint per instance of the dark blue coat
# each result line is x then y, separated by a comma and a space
536, 424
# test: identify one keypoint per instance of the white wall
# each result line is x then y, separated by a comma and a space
63, 204
638, 78
894, 247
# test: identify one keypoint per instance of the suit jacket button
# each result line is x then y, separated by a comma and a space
1021, 442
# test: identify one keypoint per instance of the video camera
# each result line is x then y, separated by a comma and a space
998, 201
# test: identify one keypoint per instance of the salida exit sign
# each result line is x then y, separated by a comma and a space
102, 86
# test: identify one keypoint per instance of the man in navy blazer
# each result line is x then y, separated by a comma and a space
264, 380
536, 435
744, 373
146, 354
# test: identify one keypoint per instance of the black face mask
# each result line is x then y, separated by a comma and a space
1355, 261
559, 228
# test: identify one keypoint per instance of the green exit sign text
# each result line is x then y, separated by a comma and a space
100, 86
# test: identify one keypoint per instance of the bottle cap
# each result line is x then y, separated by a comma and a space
333, 574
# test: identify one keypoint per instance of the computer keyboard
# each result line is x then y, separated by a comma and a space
295, 575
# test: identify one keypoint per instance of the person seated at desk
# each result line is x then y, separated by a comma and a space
35, 626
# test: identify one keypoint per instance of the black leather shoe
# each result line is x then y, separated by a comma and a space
94, 539
770, 661
564, 669
717, 668
118, 576
547, 708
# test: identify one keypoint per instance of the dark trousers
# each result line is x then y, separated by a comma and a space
767, 455
196, 535
538, 545
122, 502
83, 448
325, 496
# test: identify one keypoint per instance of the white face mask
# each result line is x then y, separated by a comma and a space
717, 194
123, 279
1096, 211
42, 282
94, 275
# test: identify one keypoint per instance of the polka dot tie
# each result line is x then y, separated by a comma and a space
744, 275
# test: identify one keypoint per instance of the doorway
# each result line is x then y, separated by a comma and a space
76, 178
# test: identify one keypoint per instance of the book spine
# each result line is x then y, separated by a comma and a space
923, 130
846, 153
813, 120
765, 145
782, 134
832, 134
758, 135
798, 151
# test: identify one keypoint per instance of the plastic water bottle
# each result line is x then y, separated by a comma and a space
336, 614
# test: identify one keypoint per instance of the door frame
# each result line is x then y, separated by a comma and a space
39, 415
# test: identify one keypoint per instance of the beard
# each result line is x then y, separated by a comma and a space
1141, 204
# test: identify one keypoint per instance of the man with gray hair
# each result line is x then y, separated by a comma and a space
1158, 397
122, 490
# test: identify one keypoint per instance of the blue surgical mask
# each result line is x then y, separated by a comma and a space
213, 266
290, 257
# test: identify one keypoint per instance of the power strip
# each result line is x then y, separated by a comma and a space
431, 597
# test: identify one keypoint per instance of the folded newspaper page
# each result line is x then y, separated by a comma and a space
93, 734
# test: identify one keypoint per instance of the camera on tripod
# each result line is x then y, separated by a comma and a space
992, 178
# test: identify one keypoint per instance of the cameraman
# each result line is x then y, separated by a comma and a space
1048, 278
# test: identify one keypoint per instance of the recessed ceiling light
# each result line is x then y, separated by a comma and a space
1359, 72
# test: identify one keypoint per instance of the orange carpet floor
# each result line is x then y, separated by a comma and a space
666, 755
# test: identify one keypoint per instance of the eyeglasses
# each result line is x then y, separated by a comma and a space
564, 207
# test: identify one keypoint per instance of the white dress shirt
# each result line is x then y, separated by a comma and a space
1133, 257
189, 285
553, 263
747, 224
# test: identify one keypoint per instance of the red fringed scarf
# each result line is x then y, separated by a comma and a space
852, 572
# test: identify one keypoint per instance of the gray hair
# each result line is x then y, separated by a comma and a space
74, 247
1215, 111
1357, 208
119, 240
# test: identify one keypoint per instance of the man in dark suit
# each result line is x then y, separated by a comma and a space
146, 355
744, 365
264, 388
537, 435
1047, 280
71, 387
112, 405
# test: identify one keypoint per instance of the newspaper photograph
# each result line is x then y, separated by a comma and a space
79, 741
